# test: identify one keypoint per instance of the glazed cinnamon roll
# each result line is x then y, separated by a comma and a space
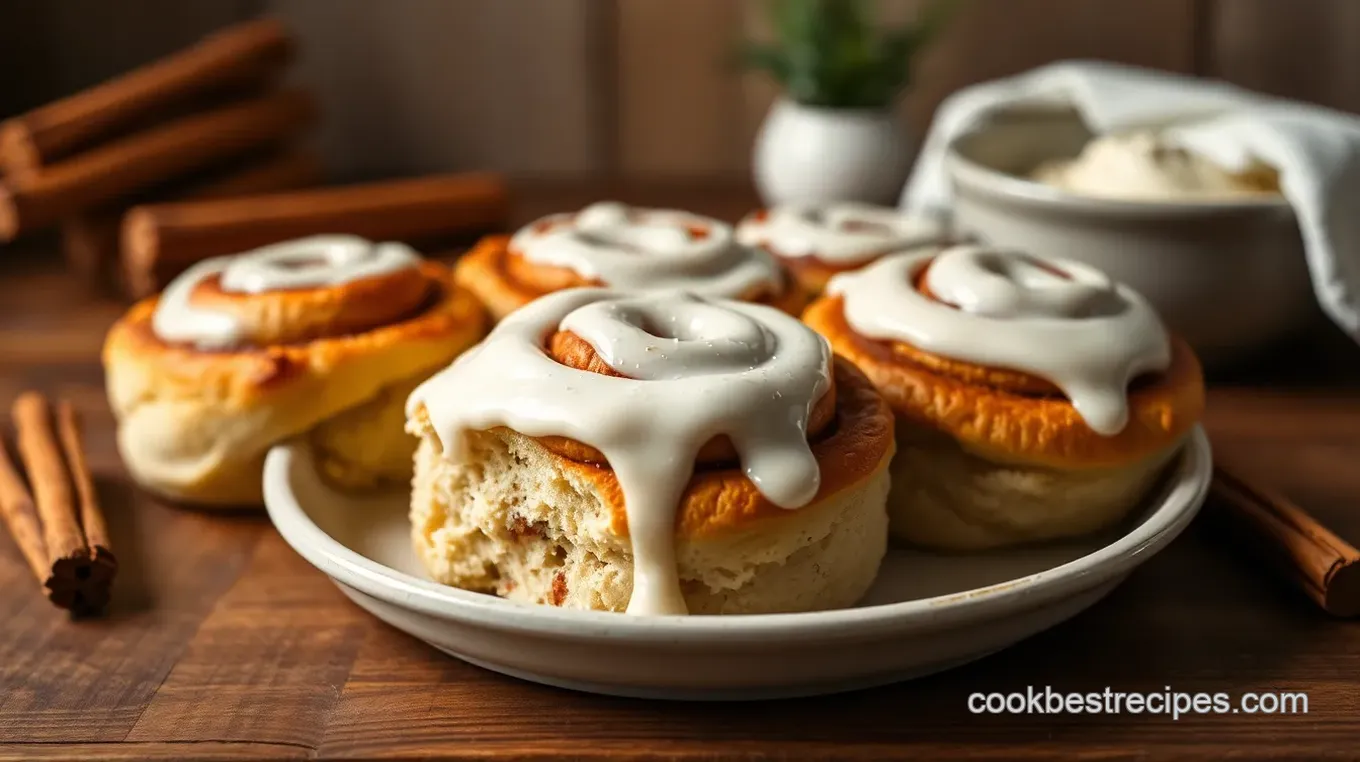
816, 242
1036, 399
655, 454
321, 337
617, 246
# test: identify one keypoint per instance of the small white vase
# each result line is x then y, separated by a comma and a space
807, 154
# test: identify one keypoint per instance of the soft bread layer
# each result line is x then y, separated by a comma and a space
362, 447
195, 425
367, 446
946, 498
484, 272
513, 521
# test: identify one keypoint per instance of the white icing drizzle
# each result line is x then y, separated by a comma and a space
649, 249
1053, 318
322, 260
842, 233
698, 367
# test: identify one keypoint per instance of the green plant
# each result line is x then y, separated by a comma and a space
828, 52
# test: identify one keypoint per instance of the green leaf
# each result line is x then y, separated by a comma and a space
765, 58
828, 52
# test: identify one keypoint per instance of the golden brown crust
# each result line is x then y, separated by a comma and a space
722, 499
504, 281
295, 315
812, 273
1013, 417
449, 314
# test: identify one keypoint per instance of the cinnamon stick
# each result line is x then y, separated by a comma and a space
90, 241
73, 447
162, 240
21, 517
226, 60
1324, 566
80, 562
48, 477
124, 167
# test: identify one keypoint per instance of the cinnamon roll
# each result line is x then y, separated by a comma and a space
816, 242
617, 246
1036, 399
655, 454
322, 337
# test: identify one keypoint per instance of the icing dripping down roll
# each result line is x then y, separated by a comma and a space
685, 371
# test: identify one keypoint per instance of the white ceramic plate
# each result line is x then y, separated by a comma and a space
926, 612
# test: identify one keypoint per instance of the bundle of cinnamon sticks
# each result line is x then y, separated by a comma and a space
195, 155
209, 120
55, 519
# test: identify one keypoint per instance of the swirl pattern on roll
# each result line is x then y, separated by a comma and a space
687, 369
843, 233
312, 262
1052, 318
649, 249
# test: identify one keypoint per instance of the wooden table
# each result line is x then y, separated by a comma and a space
224, 644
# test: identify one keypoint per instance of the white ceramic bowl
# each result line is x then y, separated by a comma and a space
926, 612
1229, 276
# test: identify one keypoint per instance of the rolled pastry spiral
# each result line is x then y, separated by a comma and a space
612, 245
1059, 320
1059, 393
322, 336
1040, 328
292, 291
661, 396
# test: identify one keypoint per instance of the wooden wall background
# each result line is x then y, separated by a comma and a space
640, 88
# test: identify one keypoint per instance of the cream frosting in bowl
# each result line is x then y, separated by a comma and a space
1222, 265
1145, 165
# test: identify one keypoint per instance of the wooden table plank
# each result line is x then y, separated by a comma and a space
91, 680
136, 752
267, 663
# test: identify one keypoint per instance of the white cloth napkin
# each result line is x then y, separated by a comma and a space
1315, 150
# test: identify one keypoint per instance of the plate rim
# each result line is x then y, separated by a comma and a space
1180, 502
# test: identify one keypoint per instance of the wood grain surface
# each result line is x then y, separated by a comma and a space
224, 644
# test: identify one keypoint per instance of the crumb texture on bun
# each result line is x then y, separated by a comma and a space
656, 454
